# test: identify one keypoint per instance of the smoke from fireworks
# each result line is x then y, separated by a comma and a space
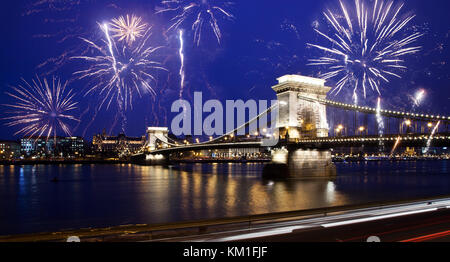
197, 14
365, 48
42, 108
120, 71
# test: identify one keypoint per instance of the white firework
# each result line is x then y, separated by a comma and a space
128, 28
42, 108
367, 47
120, 71
198, 14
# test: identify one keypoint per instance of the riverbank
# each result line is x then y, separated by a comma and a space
63, 162
221, 161
388, 159
206, 161
124, 161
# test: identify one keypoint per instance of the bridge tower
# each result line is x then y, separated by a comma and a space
299, 118
155, 134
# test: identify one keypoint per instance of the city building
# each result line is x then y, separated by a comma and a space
68, 147
37, 147
71, 147
9, 150
120, 145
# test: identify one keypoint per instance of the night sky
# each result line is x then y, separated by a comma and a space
267, 39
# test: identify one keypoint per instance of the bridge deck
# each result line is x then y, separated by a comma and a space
329, 142
405, 140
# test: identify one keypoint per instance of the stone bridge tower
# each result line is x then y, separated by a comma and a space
299, 118
156, 134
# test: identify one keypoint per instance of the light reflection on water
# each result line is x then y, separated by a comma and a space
107, 195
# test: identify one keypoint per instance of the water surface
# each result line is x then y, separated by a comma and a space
109, 195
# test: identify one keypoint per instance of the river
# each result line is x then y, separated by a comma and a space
110, 195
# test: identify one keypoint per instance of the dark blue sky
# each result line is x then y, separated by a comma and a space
267, 39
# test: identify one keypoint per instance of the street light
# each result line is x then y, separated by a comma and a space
339, 129
408, 122
361, 129
408, 125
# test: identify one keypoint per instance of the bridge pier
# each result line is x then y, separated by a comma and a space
150, 160
300, 163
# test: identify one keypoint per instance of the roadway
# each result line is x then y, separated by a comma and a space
413, 222
424, 227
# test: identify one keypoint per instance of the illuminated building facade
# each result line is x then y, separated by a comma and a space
120, 145
9, 149
69, 147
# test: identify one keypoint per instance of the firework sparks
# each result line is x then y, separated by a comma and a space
418, 97
198, 13
182, 73
63, 22
430, 139
128, 28
380, 124
366, 46
120, 71
397, 143
42, 108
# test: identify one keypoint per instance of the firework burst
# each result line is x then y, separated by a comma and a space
198, 14
61, 23
366, 47
42, 108
120, 71
128, 28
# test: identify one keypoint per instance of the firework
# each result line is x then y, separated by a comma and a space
182, 73
397, 143
366, 47
120, 71
430, 139
128, 29
42, 108
380, 124
62, 23
197, 14
418, 97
